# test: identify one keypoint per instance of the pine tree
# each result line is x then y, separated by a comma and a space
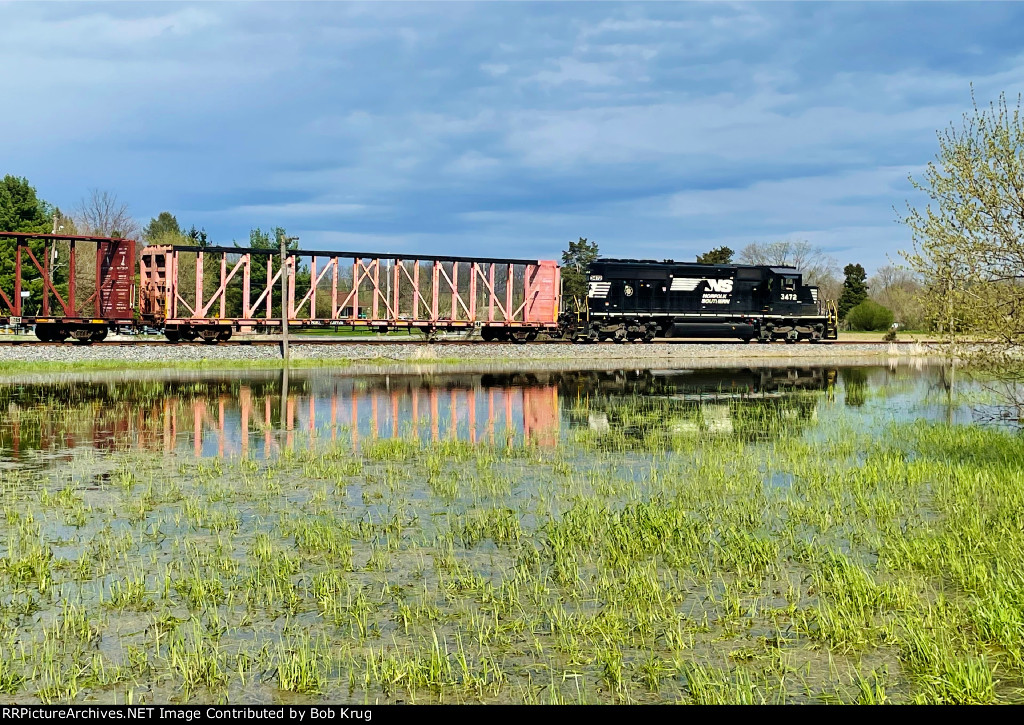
855, 289
719, 255
575, 260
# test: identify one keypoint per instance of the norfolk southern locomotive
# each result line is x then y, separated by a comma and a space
638, 300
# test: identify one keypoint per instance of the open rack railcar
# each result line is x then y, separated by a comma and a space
639, 300
211, 292
86, 285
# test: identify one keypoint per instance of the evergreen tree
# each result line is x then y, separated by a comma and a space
196, 237
575, 261
22, 211
855, 289
719, 255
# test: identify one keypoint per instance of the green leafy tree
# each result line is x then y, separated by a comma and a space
899, 289
719, 255
855, 289
575, 260
869, 316
968, 238
161, 227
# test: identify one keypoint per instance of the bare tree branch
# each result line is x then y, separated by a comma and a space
102, 214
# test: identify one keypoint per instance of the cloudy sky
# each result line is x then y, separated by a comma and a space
658, 130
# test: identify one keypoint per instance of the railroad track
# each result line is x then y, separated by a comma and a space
392, 341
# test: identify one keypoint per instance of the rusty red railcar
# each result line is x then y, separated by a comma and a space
68, 286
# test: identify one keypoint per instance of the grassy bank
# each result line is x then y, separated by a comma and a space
681, 566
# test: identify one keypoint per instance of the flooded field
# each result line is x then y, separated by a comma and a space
748, 535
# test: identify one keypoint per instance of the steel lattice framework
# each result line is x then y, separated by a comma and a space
321, 288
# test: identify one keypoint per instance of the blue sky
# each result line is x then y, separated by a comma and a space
658, 130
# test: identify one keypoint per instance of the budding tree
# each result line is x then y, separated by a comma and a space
969, 238
818, 268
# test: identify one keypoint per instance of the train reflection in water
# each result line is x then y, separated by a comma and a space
751, 403
215, 415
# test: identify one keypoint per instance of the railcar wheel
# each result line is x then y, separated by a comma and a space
224, 335
44, 333
172, 335
98, 335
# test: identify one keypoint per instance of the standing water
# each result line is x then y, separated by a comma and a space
747, 535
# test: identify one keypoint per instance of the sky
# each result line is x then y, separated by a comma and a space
502, 129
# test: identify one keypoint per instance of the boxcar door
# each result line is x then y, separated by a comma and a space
115, 275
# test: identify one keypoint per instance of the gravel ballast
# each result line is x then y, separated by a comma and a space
398, 352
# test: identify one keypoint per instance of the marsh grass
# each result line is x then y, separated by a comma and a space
653, 563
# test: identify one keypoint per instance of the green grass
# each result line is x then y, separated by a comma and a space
863, 564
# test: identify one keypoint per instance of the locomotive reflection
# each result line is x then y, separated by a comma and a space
214, 415
748, 403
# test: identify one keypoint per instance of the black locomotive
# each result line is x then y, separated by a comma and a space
638, 300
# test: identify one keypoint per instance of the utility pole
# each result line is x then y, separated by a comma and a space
285, 352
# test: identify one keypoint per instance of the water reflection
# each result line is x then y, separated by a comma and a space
741, 402
220, 415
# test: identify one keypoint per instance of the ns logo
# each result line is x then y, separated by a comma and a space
719, 285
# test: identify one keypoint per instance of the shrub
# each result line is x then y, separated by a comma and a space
869, 315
